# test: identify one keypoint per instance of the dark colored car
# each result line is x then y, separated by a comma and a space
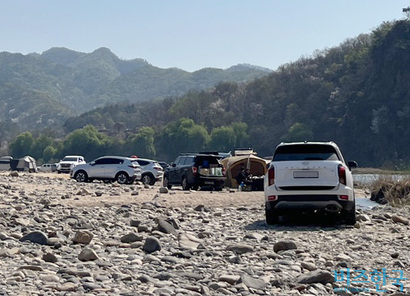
194, 170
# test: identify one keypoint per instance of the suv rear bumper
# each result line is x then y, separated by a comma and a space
209, 181
327, 203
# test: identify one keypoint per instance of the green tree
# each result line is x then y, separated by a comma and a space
222, 138
22, 145
183, 135
49, 153
241, 134
40, 145
87, 142
298, 132
142, 143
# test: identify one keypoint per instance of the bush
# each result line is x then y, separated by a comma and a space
394, 191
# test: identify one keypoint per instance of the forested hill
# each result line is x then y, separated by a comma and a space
42, 90
356, 94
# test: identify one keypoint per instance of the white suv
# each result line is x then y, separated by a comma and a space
124, 170
69, 162
309, 176
151, 171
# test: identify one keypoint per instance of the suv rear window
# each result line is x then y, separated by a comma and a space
305, 152
206, 161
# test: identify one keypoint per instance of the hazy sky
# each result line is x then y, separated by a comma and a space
192, 34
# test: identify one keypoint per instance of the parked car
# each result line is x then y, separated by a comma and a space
48, 167
5, 163
193, 170
309, 176
124, 170
69, 162
151, 171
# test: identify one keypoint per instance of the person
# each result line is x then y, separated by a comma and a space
243, 177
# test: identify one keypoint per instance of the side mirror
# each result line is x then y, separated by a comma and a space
173, 165
92, 163
352, 165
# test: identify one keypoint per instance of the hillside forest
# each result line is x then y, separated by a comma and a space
355, 94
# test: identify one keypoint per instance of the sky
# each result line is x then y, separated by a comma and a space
192, 34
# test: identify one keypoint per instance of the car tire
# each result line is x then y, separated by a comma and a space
349, 217
271, 217
122, 178
184, 183
165, 182
81, 176
148, 179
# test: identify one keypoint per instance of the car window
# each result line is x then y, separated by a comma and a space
189, 160
206, 161
70, 159
143, 162
178, 160
115, 161
305, 152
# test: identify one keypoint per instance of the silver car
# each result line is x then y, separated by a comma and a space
124, 170
151, 170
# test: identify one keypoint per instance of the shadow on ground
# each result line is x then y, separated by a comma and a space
301, 222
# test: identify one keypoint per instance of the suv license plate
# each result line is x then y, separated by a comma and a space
209, 182
305, 174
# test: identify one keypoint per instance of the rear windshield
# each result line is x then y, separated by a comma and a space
305, 152
206, 161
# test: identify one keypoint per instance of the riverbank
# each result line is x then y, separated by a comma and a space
60, 237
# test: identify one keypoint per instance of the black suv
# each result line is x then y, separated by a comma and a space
194, 170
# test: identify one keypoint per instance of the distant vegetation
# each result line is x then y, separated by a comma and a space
356, 94
42, 91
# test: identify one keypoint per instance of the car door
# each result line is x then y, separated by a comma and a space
97, 168
172, 170
186, 169
112, 167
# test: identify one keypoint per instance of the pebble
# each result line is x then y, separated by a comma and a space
49, 247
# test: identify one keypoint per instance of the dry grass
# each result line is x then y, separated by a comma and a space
387, 189
379, 171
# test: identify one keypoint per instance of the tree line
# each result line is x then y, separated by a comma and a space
183, 135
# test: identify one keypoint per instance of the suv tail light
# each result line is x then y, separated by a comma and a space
342, 175
223, 171
271, 176
194, 170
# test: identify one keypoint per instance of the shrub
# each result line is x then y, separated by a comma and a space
387, 189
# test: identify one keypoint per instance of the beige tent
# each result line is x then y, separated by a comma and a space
26, 163
255, 164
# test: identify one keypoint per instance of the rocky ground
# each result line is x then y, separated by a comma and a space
59, 237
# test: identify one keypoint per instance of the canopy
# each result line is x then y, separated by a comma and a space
233, 164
